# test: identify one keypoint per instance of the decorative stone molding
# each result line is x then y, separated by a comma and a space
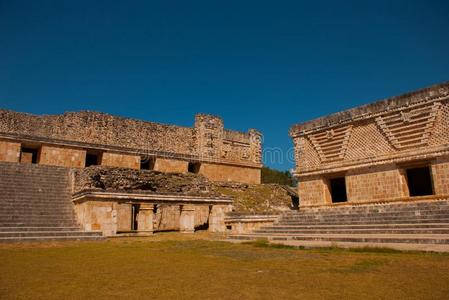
98, 131
409, 128
331, 144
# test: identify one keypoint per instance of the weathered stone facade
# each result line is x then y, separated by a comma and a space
377, 152
74, 139
128, 201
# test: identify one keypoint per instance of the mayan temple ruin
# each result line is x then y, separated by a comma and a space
87, 174
376, 173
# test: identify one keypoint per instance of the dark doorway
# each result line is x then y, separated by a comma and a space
93, 159
419, 181
29, 155
147, 163
338, 189
194, 167
295, 202
134, 216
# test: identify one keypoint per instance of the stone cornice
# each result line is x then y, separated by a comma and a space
439, 92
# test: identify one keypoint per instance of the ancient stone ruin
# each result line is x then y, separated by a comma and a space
87, 174
378, 173
80, 139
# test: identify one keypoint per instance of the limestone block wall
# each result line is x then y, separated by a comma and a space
440, 175
372, 146
171, 165
97, 216
9, 151
167, 217
216, 172
217, 217
123, 216
122, 141
313, 191
241, 224
120, 160
375, 183
62, 156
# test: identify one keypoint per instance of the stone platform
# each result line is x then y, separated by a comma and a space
424, 222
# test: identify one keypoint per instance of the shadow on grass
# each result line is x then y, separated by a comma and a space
264, 243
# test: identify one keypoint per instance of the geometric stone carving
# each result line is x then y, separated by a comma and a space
331, 144
409, 128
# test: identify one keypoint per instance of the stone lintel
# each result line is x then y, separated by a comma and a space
152, 198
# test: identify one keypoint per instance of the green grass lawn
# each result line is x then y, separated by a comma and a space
176, 266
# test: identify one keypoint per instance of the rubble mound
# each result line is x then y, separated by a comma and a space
257, 198
123, 179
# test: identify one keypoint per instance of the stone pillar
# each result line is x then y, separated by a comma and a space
145, 219
216, 218
187, 219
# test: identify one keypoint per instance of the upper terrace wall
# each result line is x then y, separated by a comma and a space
413, 126
98, 128
206, 141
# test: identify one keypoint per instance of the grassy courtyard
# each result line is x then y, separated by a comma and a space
175, 266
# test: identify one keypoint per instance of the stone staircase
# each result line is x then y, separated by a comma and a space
421, 222
35, 205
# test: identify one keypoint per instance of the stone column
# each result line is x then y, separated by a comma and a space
145, 219
216, 218
187, 219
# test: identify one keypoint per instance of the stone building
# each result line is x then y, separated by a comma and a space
84, 175
392, 150
79, 139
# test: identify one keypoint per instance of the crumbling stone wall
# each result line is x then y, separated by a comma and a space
372, 145
99, 128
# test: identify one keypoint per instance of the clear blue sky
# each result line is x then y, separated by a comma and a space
257, 64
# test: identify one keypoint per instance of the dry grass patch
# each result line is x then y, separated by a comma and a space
172, 266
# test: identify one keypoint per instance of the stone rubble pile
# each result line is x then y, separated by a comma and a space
110, 178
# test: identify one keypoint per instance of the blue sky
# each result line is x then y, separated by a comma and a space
257, 64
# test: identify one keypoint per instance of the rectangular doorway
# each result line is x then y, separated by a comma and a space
194, 167
419, 181
93, 158
134, 216
29, 155
337, 188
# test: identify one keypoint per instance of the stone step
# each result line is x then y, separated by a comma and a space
362, 226
39, 224
373, 238
353, 231
411, 213
367, 221
50, 239
35, 210
18, 234
38, 228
